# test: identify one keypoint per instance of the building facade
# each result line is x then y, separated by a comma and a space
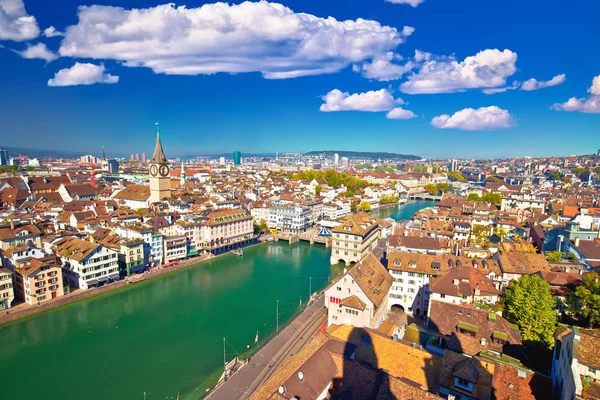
7, 294
354, 238
39, 280
292, 219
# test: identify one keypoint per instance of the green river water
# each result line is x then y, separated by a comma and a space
164, 336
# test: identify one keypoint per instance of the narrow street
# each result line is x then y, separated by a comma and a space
274, 355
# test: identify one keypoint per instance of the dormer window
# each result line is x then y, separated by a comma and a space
397, 263
435, 266
499, 337
412, 264
347, 228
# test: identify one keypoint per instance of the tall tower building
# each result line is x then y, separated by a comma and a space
237, 158
182, 176
144, 158
160, 182
336, 159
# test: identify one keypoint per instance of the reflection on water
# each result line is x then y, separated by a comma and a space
162, 336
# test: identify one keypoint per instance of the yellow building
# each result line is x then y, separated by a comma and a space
39, 280
7, 293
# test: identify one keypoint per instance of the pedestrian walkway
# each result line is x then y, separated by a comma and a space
274, 355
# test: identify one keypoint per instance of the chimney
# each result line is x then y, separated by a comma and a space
12, 224
577, 241
455, 282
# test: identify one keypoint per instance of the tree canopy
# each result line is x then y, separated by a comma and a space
456, 176
491, 197
585, 301
333, 178
431, 189
530, 305
364, 206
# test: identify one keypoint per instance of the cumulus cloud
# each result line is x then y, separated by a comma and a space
400, 113
589, 105
373, 101
38, 51
15, 23
52, 32
515, 85
248, 37
412, 3
534, 84
82, 74
487, 69
382, 68
483, 119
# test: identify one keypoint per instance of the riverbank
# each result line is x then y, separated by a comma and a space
24, 310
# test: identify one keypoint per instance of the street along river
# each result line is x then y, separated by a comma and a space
164, 336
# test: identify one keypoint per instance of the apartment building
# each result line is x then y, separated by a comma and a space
354, 238
39, 280
153, 241
176, 248
87, 264
7, 294
576, 361
227, 228
291, 219
415, 273
359, 297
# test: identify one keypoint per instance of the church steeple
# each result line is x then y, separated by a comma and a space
159, 155
103, 154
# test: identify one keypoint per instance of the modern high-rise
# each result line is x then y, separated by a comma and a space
237, 158
160, 181
137, 157
113, 166
336, 159
4, 157
222, 160
144, 157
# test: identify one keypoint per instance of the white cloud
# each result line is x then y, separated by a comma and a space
487, 69
483, 119
248, 37
52, 32
412, 3
82, 74
534, 84
374, 101
400, 113
589, 105
15, 23
595, 88
515, 85
382, 68
38, 51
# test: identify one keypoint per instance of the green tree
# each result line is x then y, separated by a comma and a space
585, 302
260, 227
492, 197
473, 197
389, 199
530, 305
318, 189
354, 206
456, 176
554, 175
554, 256
431, 189
389, 170
364, 206
442, 187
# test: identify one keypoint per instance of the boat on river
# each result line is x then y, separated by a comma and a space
238, 252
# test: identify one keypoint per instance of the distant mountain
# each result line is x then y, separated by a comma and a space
364, 154
40, 153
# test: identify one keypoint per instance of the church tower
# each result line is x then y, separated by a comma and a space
160, 182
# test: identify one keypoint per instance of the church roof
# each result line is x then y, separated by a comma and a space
159, 155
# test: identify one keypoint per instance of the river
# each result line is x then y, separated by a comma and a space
164, 336
404, 211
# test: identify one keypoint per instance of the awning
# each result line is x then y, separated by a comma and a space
467, 327
324, 232
92, 282
500, 335
193, 253
103, 279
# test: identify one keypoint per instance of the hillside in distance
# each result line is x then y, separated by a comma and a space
375, 155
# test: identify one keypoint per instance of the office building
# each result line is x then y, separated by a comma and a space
4, 157
336, 159
113, 166
222, 160
143, 157
237, 158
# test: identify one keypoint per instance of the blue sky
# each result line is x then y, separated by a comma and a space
254, 77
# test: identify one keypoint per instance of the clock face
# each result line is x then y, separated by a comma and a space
164, 170
153, 170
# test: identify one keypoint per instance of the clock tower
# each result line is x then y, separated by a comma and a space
160, 181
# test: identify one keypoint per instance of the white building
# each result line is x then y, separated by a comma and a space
293, 219
87, 264
575, 360
354, 238
359, 297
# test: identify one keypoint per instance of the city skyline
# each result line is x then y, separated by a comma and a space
428, 79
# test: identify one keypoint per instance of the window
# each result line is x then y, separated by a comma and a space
411, 282
339, 289
463, 384
442, 296
350, 311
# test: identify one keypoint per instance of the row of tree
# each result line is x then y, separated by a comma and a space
333, 178
490, 197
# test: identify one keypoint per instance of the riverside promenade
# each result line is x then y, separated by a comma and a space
273, 355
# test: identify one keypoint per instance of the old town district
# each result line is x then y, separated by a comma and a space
486, 292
